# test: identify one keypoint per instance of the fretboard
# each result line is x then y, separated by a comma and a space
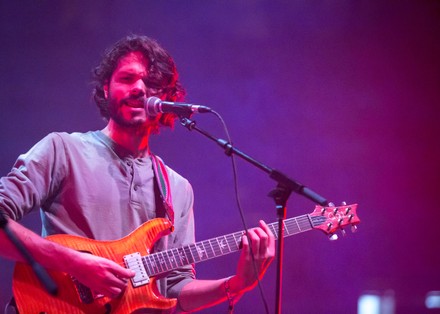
167, 260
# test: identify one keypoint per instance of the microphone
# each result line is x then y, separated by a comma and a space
155, 105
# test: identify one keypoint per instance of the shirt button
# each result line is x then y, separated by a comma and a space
136, 187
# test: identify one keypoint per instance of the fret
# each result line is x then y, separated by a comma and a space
202, 245
221, 244
170, 257
309, 220
286, 232
304, 223
214, 247
296, 221
194, 252
146, 262
188, 254
273, 229
166, 261
230, 241
225, 240
153, 264
212, 253
183, 256
218, 247
158, 262
237, 241
200, 251
294, 226
177, 257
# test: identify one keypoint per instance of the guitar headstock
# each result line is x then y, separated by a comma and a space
329, 219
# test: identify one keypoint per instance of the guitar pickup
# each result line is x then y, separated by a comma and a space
134, 262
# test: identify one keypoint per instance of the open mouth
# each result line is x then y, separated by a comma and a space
134, 104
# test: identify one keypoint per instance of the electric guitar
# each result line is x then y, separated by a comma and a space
133, 252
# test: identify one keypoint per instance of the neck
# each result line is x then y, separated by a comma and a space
135, 139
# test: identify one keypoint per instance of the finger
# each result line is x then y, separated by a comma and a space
266, 228
254, 242
263, 240
271, 242
114, 292
245, 242
116, 286
121, 272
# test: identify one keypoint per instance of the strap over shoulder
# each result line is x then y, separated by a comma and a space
163, 183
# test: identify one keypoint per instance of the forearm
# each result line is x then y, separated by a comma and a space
47, 253
200, 294
109, 278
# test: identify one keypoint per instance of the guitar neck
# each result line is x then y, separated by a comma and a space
164, 261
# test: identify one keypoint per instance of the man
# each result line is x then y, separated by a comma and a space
104, 184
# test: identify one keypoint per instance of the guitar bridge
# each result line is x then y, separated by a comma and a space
134, 262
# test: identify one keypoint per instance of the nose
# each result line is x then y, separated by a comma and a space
138, 88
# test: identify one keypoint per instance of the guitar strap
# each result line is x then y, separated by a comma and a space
162, 190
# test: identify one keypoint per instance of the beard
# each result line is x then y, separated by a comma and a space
121, 114
115, 110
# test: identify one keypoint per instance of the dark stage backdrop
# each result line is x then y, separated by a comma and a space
342, 96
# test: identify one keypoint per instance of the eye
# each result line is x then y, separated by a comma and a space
126, 79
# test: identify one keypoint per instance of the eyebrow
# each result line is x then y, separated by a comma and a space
130, 72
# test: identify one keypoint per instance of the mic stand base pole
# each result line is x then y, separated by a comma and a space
280, 196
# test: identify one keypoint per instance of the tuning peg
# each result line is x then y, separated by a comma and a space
343, 232
354, 228
329, 226
331, 204
333, 237
343, 203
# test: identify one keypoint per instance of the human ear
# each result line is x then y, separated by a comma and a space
105, 88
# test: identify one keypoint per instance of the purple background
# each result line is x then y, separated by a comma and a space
342, 96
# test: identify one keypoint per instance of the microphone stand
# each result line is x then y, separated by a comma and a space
39, 271
285, 186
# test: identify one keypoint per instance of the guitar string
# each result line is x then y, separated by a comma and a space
160, 262
157, 263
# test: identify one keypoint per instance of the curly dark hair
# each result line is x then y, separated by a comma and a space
162, 72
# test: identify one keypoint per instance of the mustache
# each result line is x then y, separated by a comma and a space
139, 98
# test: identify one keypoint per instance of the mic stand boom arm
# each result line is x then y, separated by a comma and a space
285, 186
282, 180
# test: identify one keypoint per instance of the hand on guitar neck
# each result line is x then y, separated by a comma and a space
263, 248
